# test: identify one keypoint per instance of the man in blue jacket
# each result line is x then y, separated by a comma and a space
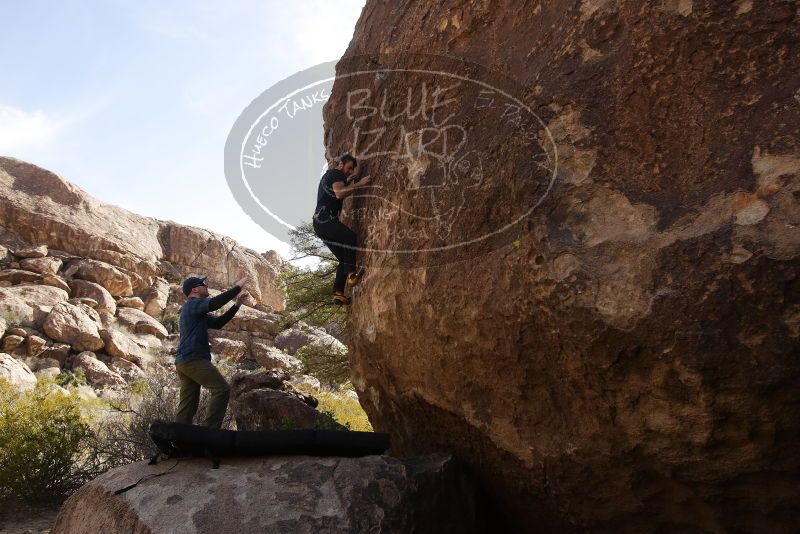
193, 357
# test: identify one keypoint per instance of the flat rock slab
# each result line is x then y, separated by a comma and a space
298, 494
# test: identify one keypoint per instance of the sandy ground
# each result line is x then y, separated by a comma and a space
22, 519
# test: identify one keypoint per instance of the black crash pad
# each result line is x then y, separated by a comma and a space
180, 439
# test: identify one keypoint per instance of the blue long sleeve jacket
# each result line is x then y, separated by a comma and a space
195, 321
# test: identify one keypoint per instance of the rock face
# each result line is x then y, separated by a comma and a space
301, 495
73, 325
126, 251
265, 400
16, 373
627, 360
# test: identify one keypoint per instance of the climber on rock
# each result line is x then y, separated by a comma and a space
193, 357
336, 184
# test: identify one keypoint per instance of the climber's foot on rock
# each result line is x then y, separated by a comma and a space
353, 279
340, 299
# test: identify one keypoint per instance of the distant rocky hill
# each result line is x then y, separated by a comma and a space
93, 287
38, 207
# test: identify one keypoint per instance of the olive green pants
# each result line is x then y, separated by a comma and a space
196, 373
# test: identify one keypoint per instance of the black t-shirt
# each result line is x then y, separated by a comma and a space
328, 206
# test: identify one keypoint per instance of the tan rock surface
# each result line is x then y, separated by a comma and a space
74, 325
139, 322
292, 494
156, 297
16, 373
84, 288
41, 207
43, 266
119, 344
97, 373
117, 282
131, 302
18, 276
55, 281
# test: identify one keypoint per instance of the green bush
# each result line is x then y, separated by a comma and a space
67, 379
327, 362
43, 443
124, 435
309, 290
171, 322
340, 409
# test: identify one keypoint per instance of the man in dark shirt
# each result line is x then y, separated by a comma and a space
333, 188
193, 357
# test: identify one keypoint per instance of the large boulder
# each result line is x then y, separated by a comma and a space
617, 348
120, 344
293, 494
116, 281
156, 297
55, 281
18, 276
37, 251
43, 266
202, 250
265, 400
84, 288
270, 409
74, 325
255, 321
16, 373
270, 357
38, 294
14, 308
141, 323
298, 336
97, 373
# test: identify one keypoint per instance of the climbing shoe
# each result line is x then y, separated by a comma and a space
341, 299
353, 279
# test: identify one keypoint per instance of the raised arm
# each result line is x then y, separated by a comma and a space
222, 320
215, 303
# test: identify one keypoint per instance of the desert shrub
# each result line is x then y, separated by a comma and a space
76, 377
123, 436
309, 289
12, 319
326, 361
171, 322
340, 408
44, 439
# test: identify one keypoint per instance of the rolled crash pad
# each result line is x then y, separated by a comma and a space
180, 439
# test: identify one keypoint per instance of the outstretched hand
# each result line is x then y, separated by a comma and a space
241, 282
241, 297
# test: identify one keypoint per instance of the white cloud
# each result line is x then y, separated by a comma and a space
21, 129
326, 29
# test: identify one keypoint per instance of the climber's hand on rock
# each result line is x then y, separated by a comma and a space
364, 181
241, 282
241, 297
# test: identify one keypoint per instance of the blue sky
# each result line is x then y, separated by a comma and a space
133, 100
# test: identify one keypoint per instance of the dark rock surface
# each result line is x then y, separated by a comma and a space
299, 494
626, 357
